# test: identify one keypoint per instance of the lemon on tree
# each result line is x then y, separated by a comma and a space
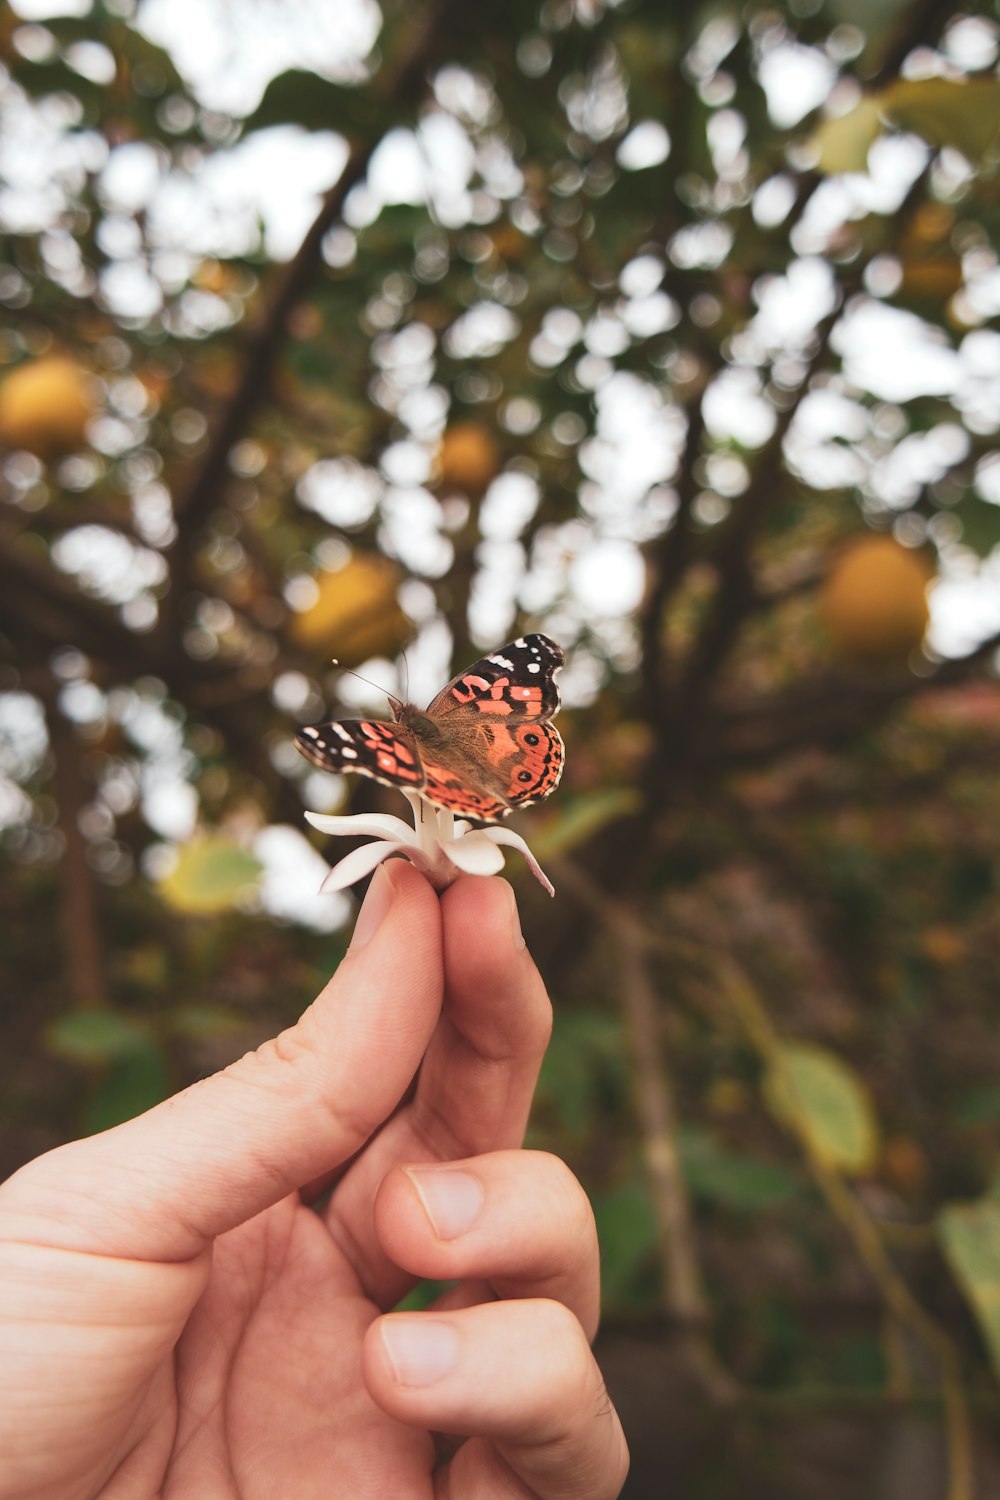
468, 458
355, 614
45, 405
873, 602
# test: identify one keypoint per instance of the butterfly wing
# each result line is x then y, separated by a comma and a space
502, 752
537, 763
455, 790
516, 682
371, 747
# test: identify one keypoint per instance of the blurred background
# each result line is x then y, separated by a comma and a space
348, 330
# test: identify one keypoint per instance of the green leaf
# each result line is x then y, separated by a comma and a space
298, 97
943, 111
970, 1237
201, 1023
946, 112
814, 1093
422, 1295
581, 817
95, 1036
732, 1179
55, 76
979, 1106
133, 1084
980, 524
876, 20
584, 1064
842, 143
211, 875
626, 1229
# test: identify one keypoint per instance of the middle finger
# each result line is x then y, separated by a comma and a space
474, 1088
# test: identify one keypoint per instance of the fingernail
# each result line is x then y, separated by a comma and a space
515, 921
420, 1350
376, 904
452, 1199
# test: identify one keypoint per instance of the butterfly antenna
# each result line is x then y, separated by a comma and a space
377, 686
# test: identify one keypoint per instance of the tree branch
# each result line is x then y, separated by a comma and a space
736, 988
264, 340
822, 712
920, 24
86, 978
684, 1293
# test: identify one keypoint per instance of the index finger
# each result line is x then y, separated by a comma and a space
475, 1084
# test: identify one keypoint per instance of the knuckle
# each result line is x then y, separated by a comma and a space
568, 1361
565, 1193
288, 1068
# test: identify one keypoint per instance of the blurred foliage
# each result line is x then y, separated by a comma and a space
638, 325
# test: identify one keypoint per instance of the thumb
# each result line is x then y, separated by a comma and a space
163, 1185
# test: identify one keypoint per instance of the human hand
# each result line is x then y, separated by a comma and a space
176, 1320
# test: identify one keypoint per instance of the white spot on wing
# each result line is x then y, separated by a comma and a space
339, 729
533, 666
348, 753
311, 732
501, 661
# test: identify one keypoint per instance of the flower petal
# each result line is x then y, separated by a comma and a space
362, 825
508, 836
359, 863
474, 854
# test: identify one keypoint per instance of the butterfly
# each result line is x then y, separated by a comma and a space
482, 748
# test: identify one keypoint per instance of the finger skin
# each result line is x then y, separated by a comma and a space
160, 1187
475, 1085
534, 1234
523, 1376
478, 1079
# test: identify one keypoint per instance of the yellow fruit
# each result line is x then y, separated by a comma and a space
468, 458
934, 280
905, 1163
357, 614
508, 242
214, 276
874, 601
943, 944
931, 223
45, 405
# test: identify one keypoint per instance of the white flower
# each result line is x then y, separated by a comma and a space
440, 845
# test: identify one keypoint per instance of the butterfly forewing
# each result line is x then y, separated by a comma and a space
371, 747
518, 681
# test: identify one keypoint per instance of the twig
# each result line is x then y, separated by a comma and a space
684, 1293
920, 23
263, 342
668, 562
823, 710
861, 1229
86, 978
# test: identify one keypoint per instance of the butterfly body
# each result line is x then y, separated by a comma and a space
483, 747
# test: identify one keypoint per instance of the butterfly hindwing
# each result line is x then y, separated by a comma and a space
449, 789
537, 766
